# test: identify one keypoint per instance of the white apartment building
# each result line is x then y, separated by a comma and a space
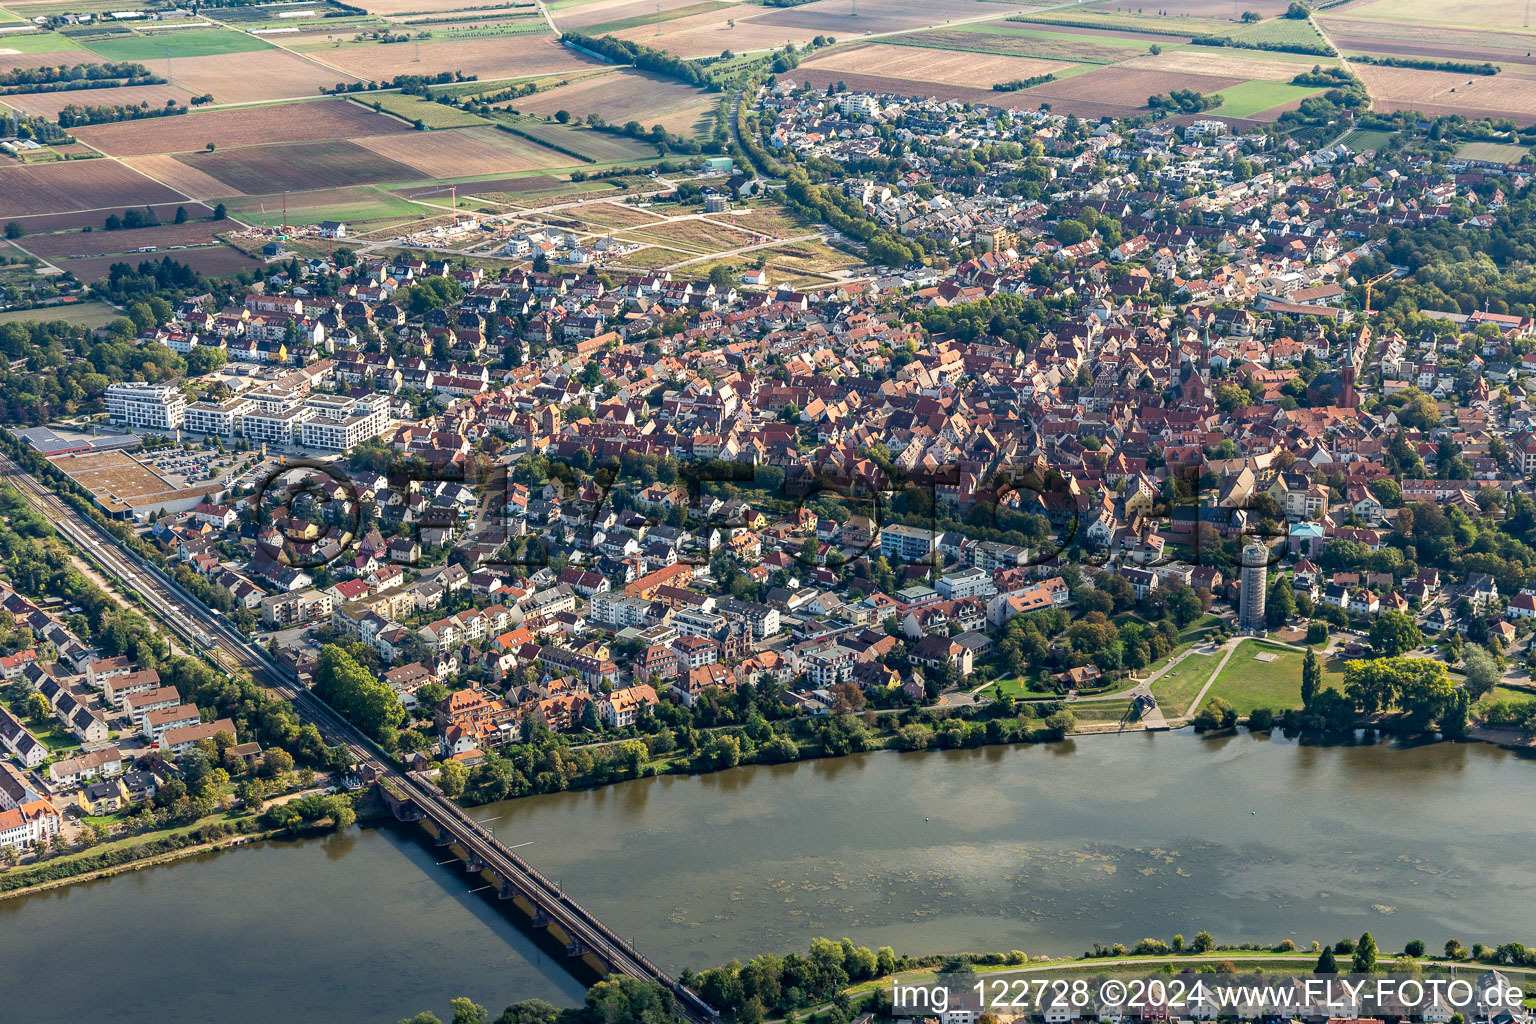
223, 418
341, 423
150, 406
274, 427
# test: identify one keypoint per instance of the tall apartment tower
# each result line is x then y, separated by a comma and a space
1255, 561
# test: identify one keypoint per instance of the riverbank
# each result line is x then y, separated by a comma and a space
155, 860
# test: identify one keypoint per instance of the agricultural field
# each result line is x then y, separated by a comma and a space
459, 154
95, 218
643, 19
213, 261
706, 35
1437, 92
173, 172
160, 46
1249, 98
295, 122
1219, 9
353, 205
1283, 31
582, 16
1249, 64
264, 170
1018, 40
20, 43
72, 185
1126, 21
415, 108
1491, 13
99, 242
48, 104
1362, 139
836, 17
629, 95
819, 79
278, 75
945, 67
598, 146
527, 56
1113, 90
1421, 40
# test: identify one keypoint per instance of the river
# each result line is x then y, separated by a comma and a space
1041, 848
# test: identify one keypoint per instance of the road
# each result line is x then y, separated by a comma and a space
208, 630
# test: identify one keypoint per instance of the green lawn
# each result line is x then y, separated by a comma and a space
182, 43
1247, 683
83, 314
1100, 710
1176, 690
1249, 98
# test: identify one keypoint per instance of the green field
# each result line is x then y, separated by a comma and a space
1249, 98
1014, 40
433, 115
601, 147
1364, 138
1499, 152
1176, 690
1152, 24
1247, 683
1287, 31
620, 24
352, 205
35, 42
185, 43
83, 314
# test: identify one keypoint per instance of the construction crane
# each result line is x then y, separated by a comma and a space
1373, 282
453, 194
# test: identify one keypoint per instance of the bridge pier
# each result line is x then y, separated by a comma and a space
540, 919
475, 865
443, 838
575, 949
506, 892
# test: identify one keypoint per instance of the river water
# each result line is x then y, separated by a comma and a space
1041, 848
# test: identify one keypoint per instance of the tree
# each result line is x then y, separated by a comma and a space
1395, 633
219, 213
210, 147
1364, 961
1327, 963
1204, 942
1252, 16
1482, 671
13, 229
181, 215
38, 709
1415, 948
468, 1012
529, 1011
1281, 603
1311, 678
563, 116
362, 698
451, 778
